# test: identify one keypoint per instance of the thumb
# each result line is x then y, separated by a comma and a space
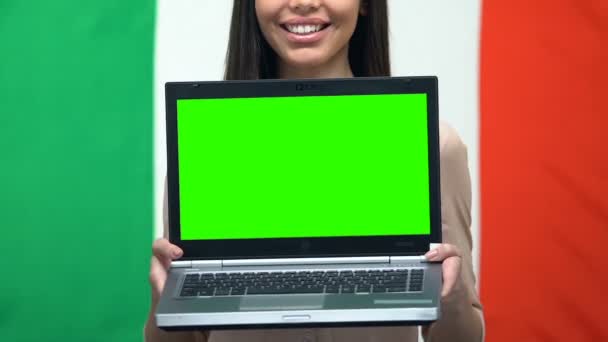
442, 252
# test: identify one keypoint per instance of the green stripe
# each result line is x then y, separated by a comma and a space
76, 130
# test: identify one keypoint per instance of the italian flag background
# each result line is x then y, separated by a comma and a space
82, 153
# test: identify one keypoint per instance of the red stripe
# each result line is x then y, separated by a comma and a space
544, 169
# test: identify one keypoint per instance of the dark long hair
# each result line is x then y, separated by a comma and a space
250, 57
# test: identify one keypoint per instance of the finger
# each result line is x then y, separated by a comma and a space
442, 252
158, 276
451, 272
162, 251
165, 251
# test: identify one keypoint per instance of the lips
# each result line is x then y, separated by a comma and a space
305, 30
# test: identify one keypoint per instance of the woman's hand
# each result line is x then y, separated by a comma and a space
163, 252
452, 264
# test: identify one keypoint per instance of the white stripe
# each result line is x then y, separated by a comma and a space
191, 40
434, 37
441, 37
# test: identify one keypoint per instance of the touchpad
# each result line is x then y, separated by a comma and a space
271, 303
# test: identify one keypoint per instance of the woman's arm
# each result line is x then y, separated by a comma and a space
462, 315
161, 258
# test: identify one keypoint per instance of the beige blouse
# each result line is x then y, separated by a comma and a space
462, 317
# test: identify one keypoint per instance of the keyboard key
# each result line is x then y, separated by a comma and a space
206, 292
237, 291
188, 293
395, 282
348, 289
192, 278
363, 289
222, 291
332, 289
378, 289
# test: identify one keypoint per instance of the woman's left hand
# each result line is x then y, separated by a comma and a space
452, 263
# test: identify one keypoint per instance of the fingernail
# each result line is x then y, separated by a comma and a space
431, 254
177, 253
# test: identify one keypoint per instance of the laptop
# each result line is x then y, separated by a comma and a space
302, 203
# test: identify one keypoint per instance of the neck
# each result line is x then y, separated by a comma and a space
337, 67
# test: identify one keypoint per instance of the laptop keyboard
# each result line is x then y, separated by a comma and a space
303, 282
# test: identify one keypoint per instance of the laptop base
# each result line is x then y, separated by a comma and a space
300, 310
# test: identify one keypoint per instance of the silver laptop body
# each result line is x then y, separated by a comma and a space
301, 281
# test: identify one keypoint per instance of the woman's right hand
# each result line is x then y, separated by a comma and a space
163, 252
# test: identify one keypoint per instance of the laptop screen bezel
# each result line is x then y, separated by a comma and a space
313, 246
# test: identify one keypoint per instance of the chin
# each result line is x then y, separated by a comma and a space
306, 60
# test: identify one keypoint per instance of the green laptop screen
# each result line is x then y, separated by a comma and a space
314, 166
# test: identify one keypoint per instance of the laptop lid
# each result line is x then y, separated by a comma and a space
303, 168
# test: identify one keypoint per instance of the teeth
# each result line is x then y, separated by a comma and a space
303, 29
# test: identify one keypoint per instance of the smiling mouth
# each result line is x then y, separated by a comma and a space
303, 30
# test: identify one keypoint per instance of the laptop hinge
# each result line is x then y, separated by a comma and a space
181, 264
305, 261
196, 264
407, 259
207, 264
414, 258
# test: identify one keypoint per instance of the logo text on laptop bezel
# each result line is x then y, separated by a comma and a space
306, 87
